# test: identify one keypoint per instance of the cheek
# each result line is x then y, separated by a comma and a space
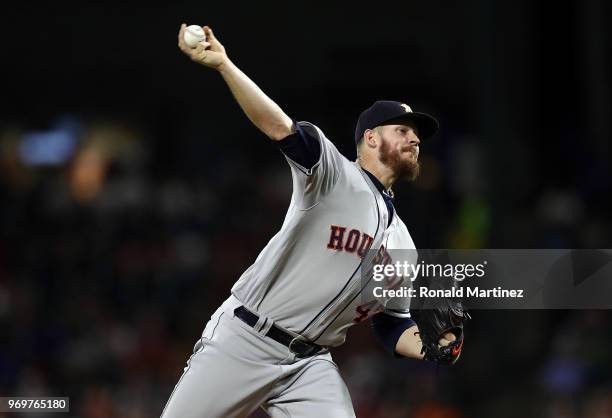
400, 143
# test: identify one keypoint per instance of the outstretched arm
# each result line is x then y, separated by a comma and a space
259, 108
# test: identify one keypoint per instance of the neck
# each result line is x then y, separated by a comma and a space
383, 173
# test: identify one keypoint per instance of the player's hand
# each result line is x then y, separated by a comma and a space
209, 53
446, 339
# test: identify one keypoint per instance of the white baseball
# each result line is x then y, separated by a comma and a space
193, 35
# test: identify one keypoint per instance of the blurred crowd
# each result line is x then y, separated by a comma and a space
111, 264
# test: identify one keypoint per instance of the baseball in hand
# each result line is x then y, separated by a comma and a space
193, 35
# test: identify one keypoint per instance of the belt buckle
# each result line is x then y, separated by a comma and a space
310, 350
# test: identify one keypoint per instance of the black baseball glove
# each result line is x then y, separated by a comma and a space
436, 318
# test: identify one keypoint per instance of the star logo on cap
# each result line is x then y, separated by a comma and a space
406, 107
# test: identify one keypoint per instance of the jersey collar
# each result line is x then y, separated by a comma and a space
379, 185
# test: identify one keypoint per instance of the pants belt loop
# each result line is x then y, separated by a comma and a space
266, 327
261, 321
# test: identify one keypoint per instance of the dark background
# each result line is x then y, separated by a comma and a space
113, 255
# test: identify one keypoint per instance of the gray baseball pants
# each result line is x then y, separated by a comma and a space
235, 369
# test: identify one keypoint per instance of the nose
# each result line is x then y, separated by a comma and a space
414, 139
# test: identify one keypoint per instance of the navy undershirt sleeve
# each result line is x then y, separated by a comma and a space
301, 147
388, 329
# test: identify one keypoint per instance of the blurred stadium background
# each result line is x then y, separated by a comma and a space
134, 192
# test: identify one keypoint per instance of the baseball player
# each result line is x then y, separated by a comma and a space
268, 344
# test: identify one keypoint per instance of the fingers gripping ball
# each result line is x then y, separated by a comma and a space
193, 35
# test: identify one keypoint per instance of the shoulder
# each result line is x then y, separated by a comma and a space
309, 129
329, 150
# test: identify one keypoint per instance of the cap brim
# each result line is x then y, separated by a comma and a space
426, 124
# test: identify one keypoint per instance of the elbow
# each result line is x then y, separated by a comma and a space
278, 135
280, 130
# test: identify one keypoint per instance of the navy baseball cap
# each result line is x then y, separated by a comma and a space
388, 112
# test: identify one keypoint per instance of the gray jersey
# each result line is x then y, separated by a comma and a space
308, 277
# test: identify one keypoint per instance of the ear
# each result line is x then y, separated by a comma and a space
369, 137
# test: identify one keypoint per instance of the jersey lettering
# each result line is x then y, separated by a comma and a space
352, 240
355, 240
365, 311
336, 237
366, 243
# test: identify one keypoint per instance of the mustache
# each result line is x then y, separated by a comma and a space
413, 149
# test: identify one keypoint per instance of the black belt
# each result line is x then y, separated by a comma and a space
298, 347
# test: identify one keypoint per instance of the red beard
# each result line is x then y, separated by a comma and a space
403, 169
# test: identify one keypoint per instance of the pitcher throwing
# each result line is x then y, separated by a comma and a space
268, 344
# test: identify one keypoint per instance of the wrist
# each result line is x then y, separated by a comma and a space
225, 66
